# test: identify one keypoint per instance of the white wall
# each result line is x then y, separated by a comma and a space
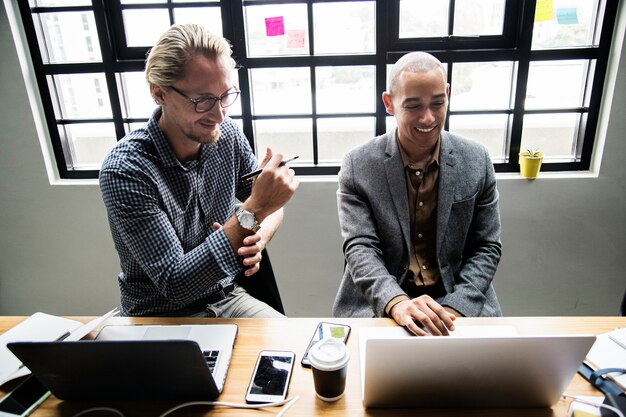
563, 239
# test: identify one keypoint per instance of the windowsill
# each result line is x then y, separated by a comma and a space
506, 176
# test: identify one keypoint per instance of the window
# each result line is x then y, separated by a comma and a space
523, 73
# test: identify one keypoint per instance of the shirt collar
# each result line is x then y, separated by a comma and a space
164, 150
434, 159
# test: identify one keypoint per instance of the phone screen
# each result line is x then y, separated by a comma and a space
325, 329
24, 398
271, 377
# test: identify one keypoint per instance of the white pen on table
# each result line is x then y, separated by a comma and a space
258, 171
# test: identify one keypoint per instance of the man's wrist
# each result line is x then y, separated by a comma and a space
394, 302
247, 220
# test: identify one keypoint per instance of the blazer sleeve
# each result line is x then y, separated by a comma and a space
362, 247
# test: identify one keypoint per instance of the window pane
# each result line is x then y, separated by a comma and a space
87, 144
478, 17
556, 135
138, 33
135, 95
481, 86
288, 136
281, 90
209, 17
423, 18
488, 129
555, 84
337, 136
142, 1
568, 23
239, 123
346, 89
67, 37
60, 3
345, 28
275, 30
80, 96
390, 123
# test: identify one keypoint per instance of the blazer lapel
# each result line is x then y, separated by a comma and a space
447, 180
397, 185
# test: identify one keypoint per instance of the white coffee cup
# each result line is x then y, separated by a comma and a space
329, 362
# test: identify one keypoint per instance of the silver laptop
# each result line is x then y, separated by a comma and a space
481, 371
216, 341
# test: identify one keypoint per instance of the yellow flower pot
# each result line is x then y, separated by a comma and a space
529, 165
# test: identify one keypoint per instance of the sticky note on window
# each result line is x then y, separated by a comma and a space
274, 26
543, 10
567, 16
295, 38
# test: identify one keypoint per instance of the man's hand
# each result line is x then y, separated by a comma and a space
250, 251
426, 311
272, 188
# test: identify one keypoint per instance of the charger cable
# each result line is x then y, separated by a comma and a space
287, 404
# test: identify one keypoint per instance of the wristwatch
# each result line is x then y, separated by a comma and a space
247, 220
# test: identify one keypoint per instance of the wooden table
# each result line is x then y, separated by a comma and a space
293, 334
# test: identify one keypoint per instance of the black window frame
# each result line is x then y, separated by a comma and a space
513, 45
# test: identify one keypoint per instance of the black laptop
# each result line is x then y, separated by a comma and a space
112, 370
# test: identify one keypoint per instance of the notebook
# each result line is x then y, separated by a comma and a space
135, 362
476, 371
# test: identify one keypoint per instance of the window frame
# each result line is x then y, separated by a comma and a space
513, 45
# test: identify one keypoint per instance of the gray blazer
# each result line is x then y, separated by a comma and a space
374, 219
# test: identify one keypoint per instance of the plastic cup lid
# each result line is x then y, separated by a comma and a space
329, 354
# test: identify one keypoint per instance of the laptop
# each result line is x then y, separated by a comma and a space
470, 371
187, 362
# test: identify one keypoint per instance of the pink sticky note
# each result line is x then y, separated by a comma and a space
295, 38
274, 26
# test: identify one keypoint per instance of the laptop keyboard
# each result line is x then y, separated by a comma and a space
211, 356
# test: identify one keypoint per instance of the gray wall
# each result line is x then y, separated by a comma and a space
564, 239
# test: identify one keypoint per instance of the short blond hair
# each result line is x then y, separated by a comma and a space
167, 60
414, 62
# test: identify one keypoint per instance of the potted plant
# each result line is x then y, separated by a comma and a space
530, 163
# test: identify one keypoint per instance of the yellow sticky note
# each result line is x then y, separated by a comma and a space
543, 11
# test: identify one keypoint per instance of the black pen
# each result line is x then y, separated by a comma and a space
258, 171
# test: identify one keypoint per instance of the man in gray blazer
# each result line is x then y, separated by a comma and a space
419, 216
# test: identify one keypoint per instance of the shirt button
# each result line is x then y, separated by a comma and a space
421, 203
419, 235
424, 266
418, 172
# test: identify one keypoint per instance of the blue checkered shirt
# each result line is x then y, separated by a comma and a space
161, 213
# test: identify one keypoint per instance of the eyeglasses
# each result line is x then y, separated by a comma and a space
203, 105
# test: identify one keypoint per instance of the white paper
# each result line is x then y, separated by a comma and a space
607, 353
87, 328
41, 327
38, 327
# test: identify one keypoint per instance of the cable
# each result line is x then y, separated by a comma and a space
91, 410
287, 402
582, 401
286, 407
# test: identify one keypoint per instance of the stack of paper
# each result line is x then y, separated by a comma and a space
37, 328
609, 351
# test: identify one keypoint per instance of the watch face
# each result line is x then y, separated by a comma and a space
247, 220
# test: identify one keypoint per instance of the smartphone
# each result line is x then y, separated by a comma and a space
325, 329
271, 376
24, 399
